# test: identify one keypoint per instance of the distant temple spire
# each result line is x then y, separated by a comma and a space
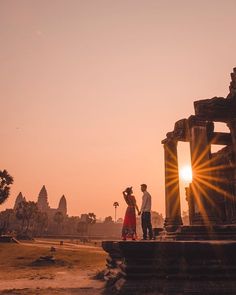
20, 198
43, 199
43, 192
62, 207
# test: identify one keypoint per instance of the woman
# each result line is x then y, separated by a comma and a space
129, 224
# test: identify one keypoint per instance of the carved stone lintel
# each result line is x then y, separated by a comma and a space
216, 109
220, 138
170, 139
196, 121
181, 130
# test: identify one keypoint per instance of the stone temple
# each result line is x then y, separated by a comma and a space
199, 258
43, 204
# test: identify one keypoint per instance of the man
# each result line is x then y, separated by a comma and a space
146, 213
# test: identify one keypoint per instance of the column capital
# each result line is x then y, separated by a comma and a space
195, 121
170, 139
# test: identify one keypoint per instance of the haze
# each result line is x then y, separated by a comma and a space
89, 89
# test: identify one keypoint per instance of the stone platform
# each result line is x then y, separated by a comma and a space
202, 232
171, 267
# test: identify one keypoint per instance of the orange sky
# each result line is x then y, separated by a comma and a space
89, 89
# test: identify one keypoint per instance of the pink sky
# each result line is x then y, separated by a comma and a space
89, 89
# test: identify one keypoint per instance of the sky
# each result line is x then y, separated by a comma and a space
89, 89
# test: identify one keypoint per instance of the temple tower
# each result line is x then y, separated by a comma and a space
62, 207
43, 200
20, 198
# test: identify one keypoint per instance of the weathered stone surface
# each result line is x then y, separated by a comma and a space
232, 86
200, 258
181, 130
203, 233
220, 138
154, 266
216, 109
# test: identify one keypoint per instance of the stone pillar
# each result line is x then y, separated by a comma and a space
232, 127
202, 187
172, 196
191, 203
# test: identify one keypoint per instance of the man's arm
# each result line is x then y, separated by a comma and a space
144, 202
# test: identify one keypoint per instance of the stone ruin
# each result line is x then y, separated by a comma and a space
212, 194
199, 258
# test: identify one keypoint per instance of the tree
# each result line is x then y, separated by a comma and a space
71, 224
120, 220
5, 217
108, 219
91, 220
40, 222
26, 212
5, 181
58, 218
157, 219
115, 204
82, 228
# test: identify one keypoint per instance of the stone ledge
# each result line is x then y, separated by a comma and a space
141, 264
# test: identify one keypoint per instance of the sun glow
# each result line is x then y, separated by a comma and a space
186, 173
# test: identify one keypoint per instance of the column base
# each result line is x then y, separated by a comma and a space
172, 224
202, 232
199, 219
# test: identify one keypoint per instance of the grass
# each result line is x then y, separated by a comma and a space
16, 260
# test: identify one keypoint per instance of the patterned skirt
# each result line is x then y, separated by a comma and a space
129, 224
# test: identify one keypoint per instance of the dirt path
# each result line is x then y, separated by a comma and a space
61, 281
65, 246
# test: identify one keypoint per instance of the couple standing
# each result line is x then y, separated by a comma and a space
129, 225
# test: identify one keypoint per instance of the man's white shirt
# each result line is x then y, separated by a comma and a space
146, 202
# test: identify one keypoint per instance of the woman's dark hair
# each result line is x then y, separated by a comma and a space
128, 190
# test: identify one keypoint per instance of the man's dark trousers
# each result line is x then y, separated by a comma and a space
146, 225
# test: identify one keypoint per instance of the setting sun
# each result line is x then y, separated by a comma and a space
186, 173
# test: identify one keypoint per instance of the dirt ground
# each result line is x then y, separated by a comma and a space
72, 272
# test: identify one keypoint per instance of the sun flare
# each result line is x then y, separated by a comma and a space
186, 173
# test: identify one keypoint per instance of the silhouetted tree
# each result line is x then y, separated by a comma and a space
58, 218
5, 217
120, 220
5, 181
26, 212
115, 204
82, 228
157, 219
40, 222
71, 224
108, 219
91, 218
90, 221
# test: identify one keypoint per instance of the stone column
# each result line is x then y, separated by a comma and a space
191, 203
172, 196
202, 188
232, 127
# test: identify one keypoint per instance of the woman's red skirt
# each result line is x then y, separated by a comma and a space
129, 224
